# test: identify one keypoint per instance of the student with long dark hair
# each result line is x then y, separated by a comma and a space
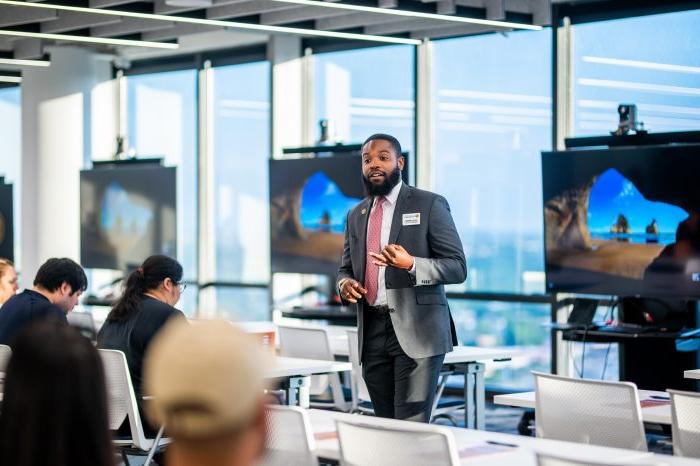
54, 408
150, 294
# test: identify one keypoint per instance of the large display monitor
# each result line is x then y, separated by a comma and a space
7, 243
127, 213
309, 201
623, 221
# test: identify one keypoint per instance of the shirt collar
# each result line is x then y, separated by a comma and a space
393, 194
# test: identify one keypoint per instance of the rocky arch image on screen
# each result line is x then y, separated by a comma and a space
623, 221
309, 202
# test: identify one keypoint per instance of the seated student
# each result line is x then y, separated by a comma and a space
54, 407
207, 383
57, 286
8, 280
147, 303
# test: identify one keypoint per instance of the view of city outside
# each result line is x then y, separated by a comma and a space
653, 63
492, 118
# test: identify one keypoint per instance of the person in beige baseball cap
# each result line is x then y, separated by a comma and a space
206, 380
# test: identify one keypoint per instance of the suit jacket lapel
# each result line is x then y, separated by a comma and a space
399, 210
361, 227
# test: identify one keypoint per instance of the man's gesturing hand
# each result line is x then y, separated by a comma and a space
351, 290
394, 255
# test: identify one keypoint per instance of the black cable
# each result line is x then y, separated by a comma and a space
607, 352
583, 351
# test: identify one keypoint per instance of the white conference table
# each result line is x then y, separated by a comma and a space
466, 360
481, 448
694, 374
658, 414
297, 373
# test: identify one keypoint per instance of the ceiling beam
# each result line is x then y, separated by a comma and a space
129, 26
71, 21
16, 16
176, 31
296, 14
452, 31
245, 8
28, 48
351, 20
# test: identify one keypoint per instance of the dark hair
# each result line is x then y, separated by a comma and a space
149, 276
54, 272
395, 144
54, 410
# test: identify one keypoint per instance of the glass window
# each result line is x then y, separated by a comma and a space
10, 161
492, 119
491, 324
650, 61
162, 122
243, 304
366, 91
241, 127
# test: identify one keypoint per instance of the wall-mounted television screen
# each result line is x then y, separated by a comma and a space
623, 221
7, 243
127, 213
309, 201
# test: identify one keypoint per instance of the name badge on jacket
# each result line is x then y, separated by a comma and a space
411, 219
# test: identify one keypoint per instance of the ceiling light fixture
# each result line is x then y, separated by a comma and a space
217, 23
11, 79
89, 39
17, 62
414, 14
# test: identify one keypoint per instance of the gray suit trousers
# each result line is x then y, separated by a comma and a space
400, 387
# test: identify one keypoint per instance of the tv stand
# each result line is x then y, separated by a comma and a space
648, 356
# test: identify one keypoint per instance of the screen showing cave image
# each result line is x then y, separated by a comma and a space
309, 202
127, 213
623, 221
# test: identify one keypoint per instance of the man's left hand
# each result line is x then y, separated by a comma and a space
393, 255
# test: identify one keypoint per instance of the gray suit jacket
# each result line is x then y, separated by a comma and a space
421, 316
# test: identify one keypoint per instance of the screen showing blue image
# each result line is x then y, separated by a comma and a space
309, 203
623, 221
127, 213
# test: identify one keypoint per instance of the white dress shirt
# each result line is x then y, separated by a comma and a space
387, 217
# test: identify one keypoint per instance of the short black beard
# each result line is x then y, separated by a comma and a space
385, 188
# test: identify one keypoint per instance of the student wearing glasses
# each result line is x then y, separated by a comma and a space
150, 294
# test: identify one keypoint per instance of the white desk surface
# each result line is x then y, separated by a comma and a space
338, 338
323, 425
291, 367
694, 374
660, 414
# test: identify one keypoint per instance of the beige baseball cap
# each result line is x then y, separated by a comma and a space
205, 377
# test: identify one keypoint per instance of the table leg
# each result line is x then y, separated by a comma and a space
297, 391
474, 396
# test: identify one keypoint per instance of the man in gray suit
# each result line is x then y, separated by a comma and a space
401, 248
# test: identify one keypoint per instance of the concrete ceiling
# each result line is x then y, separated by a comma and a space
268, 12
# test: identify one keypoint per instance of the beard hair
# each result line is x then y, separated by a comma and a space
385, 188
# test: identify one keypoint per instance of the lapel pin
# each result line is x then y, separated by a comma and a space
364, 211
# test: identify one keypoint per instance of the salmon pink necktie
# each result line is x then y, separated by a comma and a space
374, 235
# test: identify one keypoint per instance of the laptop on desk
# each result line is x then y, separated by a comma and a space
581, 316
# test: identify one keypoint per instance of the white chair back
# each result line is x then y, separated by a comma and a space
313, 343
685, 423
412, 444
358, 387
290, 440
121, 399
84, 322
5, 355
588, 411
